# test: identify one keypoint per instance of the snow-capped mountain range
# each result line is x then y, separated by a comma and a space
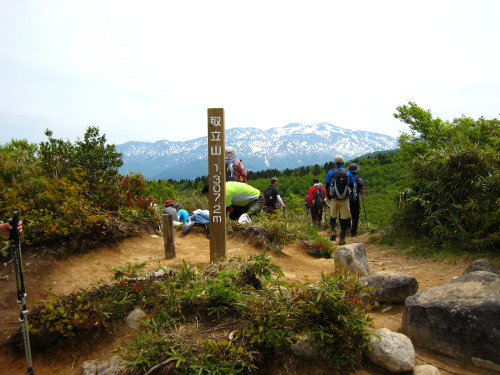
290, 146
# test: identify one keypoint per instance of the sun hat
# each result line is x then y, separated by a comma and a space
338, 159
230, 153
353, 167
169, 202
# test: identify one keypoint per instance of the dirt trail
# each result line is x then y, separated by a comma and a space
64, 276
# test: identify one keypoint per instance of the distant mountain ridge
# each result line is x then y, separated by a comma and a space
290, 146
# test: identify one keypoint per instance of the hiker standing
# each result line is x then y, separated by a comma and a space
316, 200
234, 167
354, 205
241, 199
272, 197
338, 181
169, 209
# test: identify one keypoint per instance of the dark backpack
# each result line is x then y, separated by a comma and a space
270, 196
230, 170
353, 195
318, 197
339, 186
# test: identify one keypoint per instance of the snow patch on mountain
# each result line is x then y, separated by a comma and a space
290, 146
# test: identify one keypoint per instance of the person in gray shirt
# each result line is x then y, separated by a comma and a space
169, 209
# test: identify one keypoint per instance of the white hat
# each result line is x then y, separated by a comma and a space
230, 154
338, 159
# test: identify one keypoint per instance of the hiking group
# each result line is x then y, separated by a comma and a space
343, 189
340, 195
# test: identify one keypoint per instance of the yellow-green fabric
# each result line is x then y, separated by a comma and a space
240, 194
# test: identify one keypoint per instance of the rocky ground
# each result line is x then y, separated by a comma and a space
82, 270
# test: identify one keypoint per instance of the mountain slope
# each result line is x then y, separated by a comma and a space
291, 146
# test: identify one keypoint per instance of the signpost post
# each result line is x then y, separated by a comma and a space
216, 183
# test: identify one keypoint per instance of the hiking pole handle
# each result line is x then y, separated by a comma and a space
14, 222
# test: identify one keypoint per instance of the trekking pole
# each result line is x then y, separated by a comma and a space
21, 292
363, 201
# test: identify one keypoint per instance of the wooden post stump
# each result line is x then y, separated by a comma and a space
168, 236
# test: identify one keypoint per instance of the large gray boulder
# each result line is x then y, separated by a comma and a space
388, 287
352, 259
459, 318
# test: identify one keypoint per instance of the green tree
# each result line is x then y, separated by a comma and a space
56, 155
100, 161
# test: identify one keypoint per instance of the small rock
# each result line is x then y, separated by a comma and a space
90, 367
482, 265
133, 317
478, 362
425, 370
304, 347
393, 351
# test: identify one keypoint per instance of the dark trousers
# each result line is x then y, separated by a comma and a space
252, 209
355, 208
317, 215
238, 211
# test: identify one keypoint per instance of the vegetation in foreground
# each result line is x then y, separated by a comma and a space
234, 316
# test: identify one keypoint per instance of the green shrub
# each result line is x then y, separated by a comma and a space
452, 188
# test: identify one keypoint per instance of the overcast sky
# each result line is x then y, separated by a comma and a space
148, 70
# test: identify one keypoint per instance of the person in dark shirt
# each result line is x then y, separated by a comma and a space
354, 198
272, 197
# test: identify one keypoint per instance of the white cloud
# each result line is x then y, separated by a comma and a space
149, 71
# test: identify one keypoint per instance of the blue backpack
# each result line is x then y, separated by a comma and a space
230, 170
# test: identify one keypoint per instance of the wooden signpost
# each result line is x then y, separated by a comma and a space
216, 183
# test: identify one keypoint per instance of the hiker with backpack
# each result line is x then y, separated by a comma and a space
234, 167
338, 182
354, 198
316, 201
272, 197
